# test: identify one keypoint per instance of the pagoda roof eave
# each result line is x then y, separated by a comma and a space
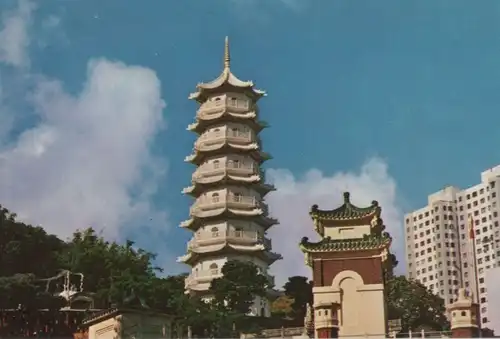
328, 245
346, 212
194, 223
269, 257
226, 79
196, 188
227, 82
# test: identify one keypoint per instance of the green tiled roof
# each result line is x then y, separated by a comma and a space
329, 245
345, 212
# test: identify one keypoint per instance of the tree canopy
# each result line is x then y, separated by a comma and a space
300, 290
114, 271
415, 305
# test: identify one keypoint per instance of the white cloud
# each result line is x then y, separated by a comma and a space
14, 37
51, 21
294, 197
80, 164
86, 160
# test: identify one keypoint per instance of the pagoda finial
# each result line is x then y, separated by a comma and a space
227, 56
347, 198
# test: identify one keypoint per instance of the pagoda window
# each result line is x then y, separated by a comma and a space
214, 269
234, 132
216, 163
216, 131
236, 164
238, 232
215, 197
234, 102
215, 232
237, 197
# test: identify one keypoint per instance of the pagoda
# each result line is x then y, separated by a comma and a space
229, 217
349, 265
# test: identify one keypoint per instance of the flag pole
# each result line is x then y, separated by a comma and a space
472, 236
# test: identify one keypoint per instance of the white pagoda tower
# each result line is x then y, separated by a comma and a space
229, 218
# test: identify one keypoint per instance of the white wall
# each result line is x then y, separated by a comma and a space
493, 286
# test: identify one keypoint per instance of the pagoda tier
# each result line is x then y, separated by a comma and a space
229, 215
255, 182
264, 222
231, 242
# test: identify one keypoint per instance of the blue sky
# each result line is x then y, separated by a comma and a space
391, 100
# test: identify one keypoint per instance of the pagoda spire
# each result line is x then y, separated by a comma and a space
227, 55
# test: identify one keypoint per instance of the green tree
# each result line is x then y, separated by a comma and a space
300, 290
415, 305
26, 249
112, 271
233, 295
240, 283
282, 307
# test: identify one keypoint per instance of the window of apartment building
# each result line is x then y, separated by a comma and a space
474, 194
476, 213
493, 194
420, 216
436, 217
483, 300
481, 191
468, 196
482, 290
468, 206
474, 203
426, 214
482, 201
408, 221
492, 184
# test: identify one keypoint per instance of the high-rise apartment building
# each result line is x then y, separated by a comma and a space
439, 246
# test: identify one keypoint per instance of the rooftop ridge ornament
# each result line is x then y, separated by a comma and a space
226, 78
227, 55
